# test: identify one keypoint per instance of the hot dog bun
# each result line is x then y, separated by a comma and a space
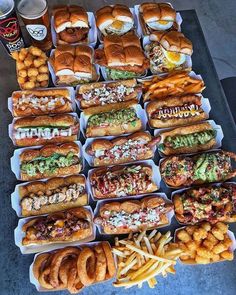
189, 104
109, 210
70, 186
59, 221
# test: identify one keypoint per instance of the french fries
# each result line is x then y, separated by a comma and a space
204, 243
174, 84
141, 257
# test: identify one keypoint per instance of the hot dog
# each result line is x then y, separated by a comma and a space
189, 139
176, 111
64, 226
30, 131
50, 161
124, 149
53, 195
112, 120
120, 181
133, 215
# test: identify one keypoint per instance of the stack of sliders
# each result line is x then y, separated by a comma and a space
71, 24
74, 268
133, 215
103, 93
168, 51
114, 20
73, 65
157, 17
115, 119
122, 57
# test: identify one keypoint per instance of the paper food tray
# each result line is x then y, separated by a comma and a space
15, 159
139, 28
186, 65
72, 97
188, 188
92, 35
90, 159
102, 82
35, 282
156, 177
219, 135
139, 111
51, 70
205, 106
29, 249
16, 199
232, 248
11, 129
138, 197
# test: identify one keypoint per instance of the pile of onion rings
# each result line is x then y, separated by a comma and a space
73, 268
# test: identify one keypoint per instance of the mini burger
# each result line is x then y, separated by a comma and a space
114, 20
71, 24
73, 65
122, 57
157, 17
168, 51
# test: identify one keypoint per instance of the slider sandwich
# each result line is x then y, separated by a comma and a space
30, 131
122, 57
71, 24
73, 65
50, 161
114, 20
117, 119
168, 51
157, 17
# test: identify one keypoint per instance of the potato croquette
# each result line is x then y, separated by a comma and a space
29, 60
42, 77
183, 236
206, 225
29, 85
43, 69
222, 226
218, 233
199, 234
228, 255
39, 62
32, 72
35, 51
22, 73
20, 65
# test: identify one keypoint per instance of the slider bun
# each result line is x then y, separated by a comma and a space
130, 40
101, 144
63, 64
64, 49
109, 207
84, 50
48, 150
61, 20
133, 56
115, 55
130, 206
152, 202
56, 120
159, 11
78, 16
112, 39
104, 20
141, 135
122, 13
83, 66
173, 41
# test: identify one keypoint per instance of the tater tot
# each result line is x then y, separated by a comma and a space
29, 85
202, 260
206, 225
228, 255
22, 73
37, 84
20, 65
191, 245
190, 229
39, 62
212, 238
215, 257
183, 236
193, 254
21, 80
208, 244
42, 77
199, 234
204, 252
44, 56
15, 55
35, 51
22, 54
184, 257
29, 60
218, 233
32, 72
222, 226
33, 78
183, 247
43, 69
220, 247
44, 84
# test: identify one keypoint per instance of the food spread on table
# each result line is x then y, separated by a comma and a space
113, 113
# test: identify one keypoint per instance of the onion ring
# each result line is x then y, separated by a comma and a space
86, 266
39, 264
101, 263
64, 270
72, 275
110, 260
56, 262
44, 279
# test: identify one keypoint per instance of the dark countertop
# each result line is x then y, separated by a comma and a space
219, 278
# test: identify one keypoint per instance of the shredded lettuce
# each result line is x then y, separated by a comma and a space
113, 74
